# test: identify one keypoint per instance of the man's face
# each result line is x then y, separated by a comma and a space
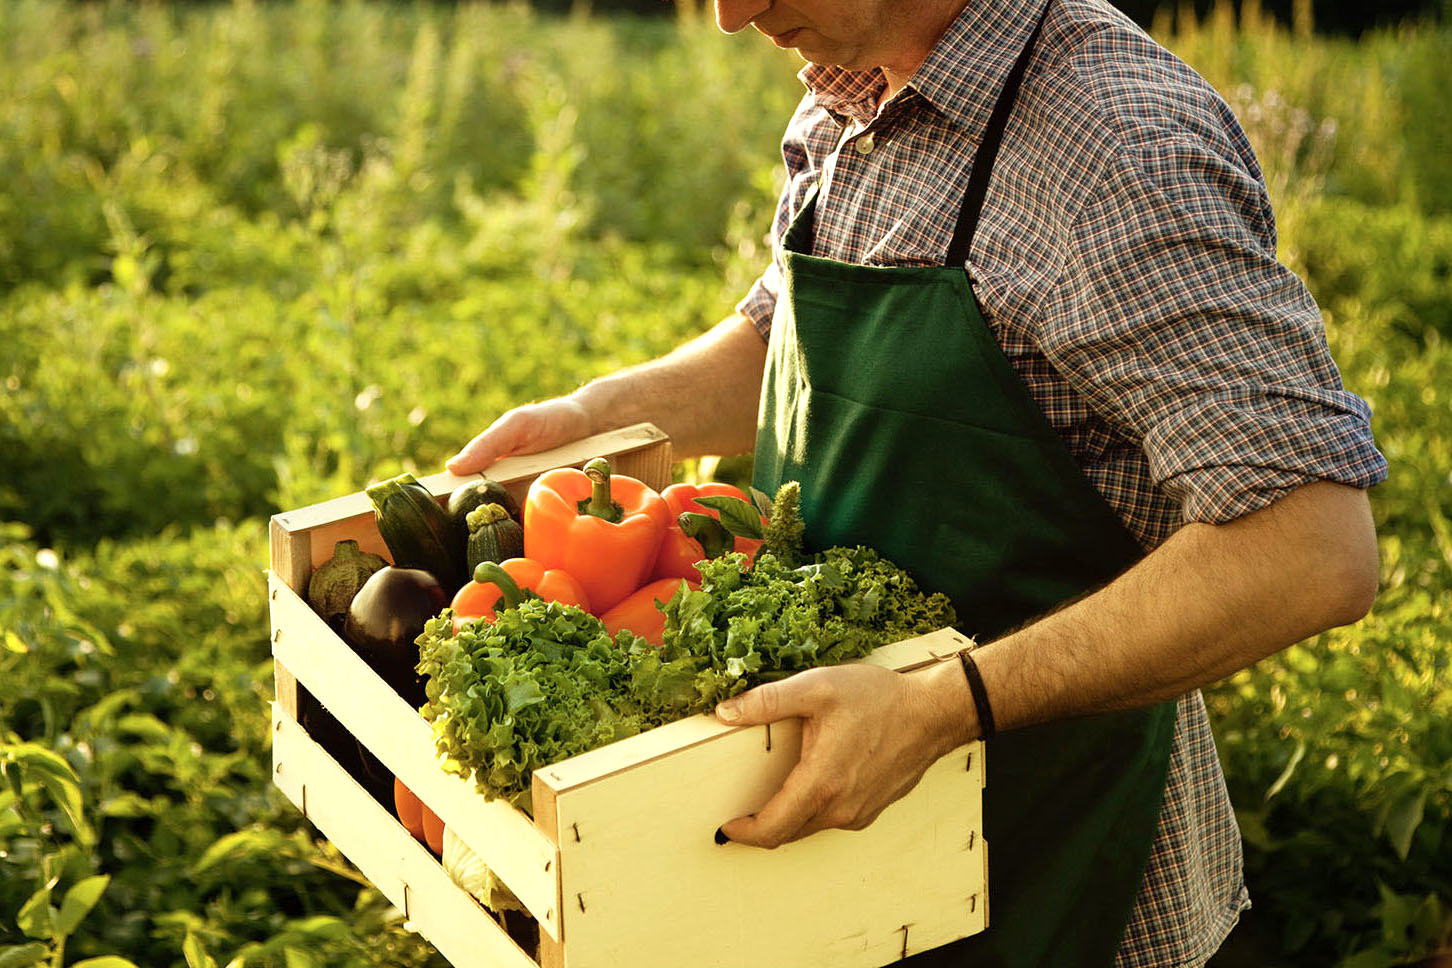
856, 34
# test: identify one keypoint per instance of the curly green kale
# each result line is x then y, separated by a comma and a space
528, 690
770, 621
542, 683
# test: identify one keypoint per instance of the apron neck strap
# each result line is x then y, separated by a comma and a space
982, 170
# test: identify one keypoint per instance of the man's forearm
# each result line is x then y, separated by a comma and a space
703, 394
1211, 600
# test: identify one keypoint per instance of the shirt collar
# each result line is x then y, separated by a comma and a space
961, 76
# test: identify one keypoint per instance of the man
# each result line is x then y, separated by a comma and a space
1117, 441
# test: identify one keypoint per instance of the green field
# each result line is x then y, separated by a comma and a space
255, 256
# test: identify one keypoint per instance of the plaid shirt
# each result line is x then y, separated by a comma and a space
1126, 263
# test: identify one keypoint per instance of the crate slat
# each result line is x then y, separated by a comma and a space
522, 856
645, 884
400, 867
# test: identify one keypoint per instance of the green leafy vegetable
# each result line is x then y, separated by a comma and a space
770, 621
531, 688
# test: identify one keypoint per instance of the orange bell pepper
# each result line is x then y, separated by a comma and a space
679, 552
433, 828
506, 581
409, 809
603, 530
638, 613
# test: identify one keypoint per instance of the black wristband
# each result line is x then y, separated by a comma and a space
986, 728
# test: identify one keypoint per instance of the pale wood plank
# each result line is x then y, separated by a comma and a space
400, 867
551, 952
285, 686
837, 898
368, 707
323, 539
651, 464
906, 655
288, 554
511, 472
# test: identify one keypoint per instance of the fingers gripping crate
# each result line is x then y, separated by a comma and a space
619, 866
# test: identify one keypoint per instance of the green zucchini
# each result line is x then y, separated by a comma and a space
418, 531
478, 493
493, 536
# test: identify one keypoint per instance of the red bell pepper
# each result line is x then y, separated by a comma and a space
501, 585
638, 613
603, 530
679, 552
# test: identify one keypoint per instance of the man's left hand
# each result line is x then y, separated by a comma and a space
868, 736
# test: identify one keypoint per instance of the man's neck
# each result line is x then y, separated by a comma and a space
935, 17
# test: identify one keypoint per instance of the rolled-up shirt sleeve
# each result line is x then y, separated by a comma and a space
759, 305
1176, 322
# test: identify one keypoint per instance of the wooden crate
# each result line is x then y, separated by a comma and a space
619, 866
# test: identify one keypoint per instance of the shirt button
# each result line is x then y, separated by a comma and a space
864, 144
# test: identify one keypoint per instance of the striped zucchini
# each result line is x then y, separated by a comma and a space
418, 531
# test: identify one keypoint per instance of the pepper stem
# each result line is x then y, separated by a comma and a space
489, 573
600, 504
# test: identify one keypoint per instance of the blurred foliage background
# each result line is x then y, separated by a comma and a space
254, 256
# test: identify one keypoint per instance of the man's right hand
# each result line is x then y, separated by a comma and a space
524, 430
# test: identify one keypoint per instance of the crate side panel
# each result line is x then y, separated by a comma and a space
323, 539
650, 464
288, 554
394, 732
406, 873
837, 898
285, 686
905, 655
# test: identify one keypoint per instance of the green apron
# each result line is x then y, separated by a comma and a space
888, 398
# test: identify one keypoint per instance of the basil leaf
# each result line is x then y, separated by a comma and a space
762, 501
737, 516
